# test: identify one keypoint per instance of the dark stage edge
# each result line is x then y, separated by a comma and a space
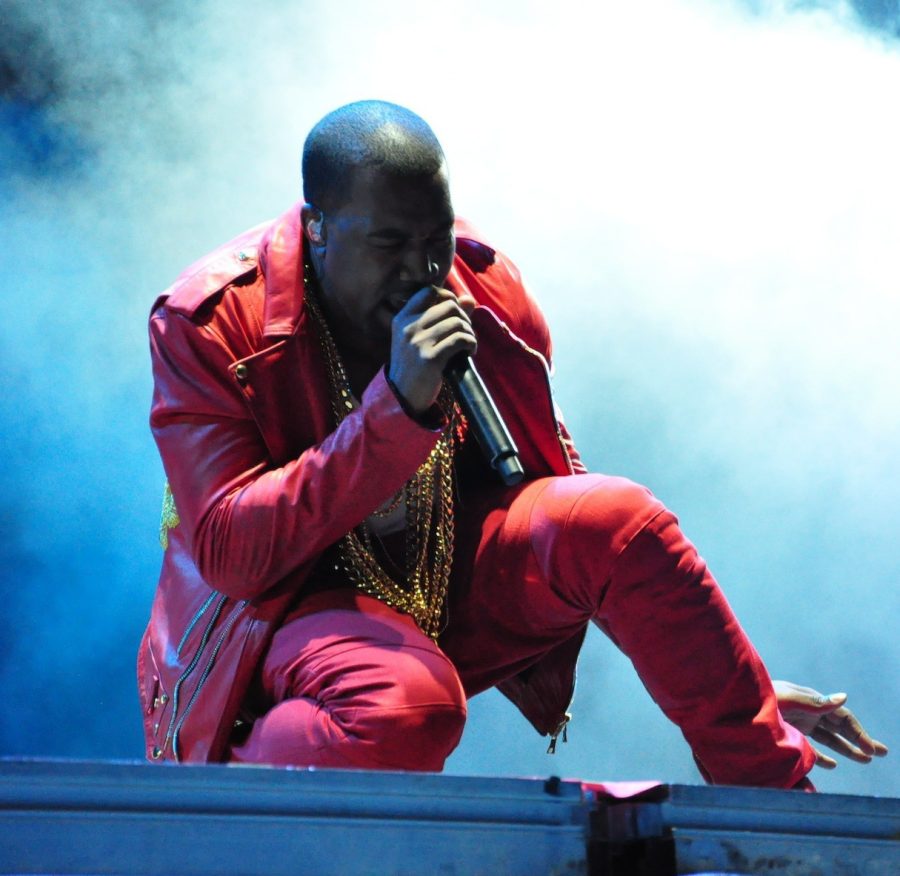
72, 817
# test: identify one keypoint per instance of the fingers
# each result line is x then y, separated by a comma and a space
430, 305
806, 699
428, 331
880, 749
815, 702
844, 723
418, 301
842, 732
436, 325
453, 344
835, 742
467, 303
440, 319
823, 760
428, 296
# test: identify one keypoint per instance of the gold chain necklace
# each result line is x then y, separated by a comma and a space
429, 506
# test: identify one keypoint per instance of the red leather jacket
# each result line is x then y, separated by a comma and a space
263, 483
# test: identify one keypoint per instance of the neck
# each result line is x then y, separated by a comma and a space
359, 361
360, 369
351, 342
357, 349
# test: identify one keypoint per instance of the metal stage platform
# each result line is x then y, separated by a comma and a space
65, 817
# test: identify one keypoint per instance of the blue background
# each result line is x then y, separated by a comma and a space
701, 195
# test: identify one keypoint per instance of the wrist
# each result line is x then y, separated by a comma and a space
431, 418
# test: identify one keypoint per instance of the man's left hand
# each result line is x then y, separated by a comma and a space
827, 720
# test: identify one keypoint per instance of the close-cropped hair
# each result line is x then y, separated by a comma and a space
368, 133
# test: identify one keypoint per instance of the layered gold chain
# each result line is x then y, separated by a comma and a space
429, 506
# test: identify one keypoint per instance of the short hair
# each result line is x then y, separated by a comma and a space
368, 133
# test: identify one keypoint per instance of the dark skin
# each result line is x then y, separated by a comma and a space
381, 259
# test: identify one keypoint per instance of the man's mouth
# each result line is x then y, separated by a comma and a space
395, 303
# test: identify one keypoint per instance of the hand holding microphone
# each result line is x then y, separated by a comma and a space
432, 336
428, 331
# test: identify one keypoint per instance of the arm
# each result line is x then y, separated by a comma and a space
251, 523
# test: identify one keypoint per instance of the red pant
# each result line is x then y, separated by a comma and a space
359, 685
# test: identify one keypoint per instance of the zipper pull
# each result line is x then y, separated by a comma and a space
563, 729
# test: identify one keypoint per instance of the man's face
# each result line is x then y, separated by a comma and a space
393, 236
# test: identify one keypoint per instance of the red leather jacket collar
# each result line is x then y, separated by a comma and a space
283, 270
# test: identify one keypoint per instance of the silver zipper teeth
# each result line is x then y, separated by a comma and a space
559, 437
565, 450
194, 622
191, 666
232, 619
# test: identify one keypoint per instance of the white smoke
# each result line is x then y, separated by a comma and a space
703, 196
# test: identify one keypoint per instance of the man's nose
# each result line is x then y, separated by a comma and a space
421, 266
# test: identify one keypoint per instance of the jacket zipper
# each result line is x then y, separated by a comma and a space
192, 665
229, 623
559, 437
194, 621
562, 446
562, 728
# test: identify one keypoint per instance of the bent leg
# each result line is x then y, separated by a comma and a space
357, 688
663, 608
604, 549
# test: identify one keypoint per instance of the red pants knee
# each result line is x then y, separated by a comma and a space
357, 687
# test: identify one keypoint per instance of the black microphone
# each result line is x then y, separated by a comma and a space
484, 419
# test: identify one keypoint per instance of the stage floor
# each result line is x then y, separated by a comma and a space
70, 817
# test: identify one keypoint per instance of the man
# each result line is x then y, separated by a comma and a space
342, 570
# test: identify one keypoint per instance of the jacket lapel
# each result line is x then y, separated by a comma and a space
287, 389
285, 383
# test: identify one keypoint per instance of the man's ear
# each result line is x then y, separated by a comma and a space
313, 222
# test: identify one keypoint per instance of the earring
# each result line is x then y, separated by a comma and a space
314, 230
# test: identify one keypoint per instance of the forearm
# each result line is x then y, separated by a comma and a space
251, 520
278, 519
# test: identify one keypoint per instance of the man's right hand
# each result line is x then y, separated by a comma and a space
430, 329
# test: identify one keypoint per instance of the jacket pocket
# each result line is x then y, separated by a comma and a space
157, 703
183, 707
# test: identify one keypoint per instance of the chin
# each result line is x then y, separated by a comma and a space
374, 346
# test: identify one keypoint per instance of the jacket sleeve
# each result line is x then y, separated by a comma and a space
249, 522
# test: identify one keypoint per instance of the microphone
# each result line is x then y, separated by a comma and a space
484, 419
